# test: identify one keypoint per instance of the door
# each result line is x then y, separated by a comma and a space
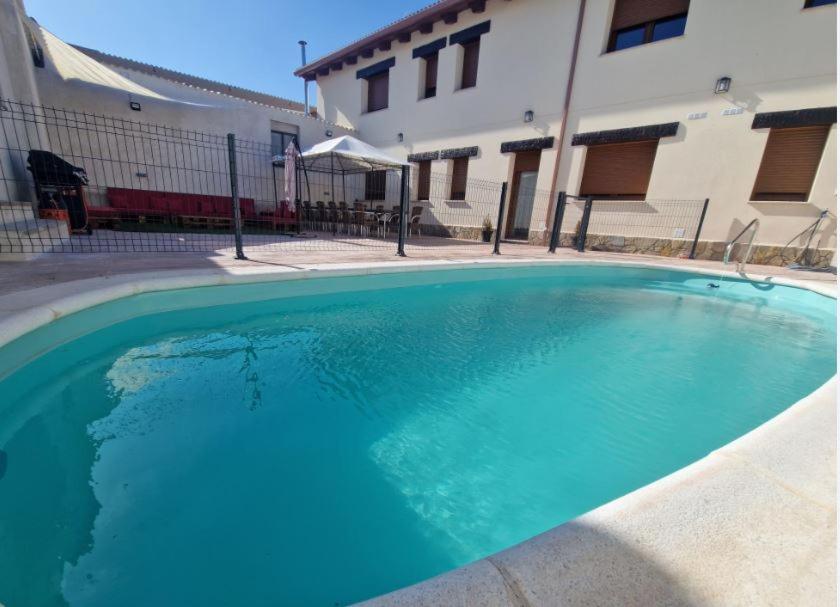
526, 185
525, 171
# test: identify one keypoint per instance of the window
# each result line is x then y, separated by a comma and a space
637, 22
34, 48
280, 141
618, 170
424, 179
430, 76
377, 93
469, 64
813, 3
458, 190
375, 185
790, 162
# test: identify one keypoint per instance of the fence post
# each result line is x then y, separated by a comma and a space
403, 211
234, 195
500, 219
584, 225
699, 227
558, 222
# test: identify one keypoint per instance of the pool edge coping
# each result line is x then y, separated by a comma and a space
489, 576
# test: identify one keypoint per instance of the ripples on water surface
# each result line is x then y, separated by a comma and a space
324, 449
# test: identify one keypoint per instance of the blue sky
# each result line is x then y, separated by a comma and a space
250, 43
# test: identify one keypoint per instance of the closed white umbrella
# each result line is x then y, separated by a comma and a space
291, 190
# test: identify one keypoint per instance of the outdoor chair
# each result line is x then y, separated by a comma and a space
344, 216
359, 217
414, 220
332, 216
320, 214
372, 222
308, 213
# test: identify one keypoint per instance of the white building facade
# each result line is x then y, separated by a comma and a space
652, 102
81, 103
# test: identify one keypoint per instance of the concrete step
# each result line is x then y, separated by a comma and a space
29, 238
15, 211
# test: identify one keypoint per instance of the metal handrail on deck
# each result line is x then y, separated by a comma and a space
754, 224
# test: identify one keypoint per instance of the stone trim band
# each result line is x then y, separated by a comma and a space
815, 116
527, 145
421, 156
428, 49
376, 68
636, 133
469, 34
459, 153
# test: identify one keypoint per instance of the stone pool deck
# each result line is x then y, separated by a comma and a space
753, 523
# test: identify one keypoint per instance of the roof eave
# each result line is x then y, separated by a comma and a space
423, 19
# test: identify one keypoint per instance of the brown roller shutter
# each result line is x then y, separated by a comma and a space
459, 179
424, 178
378, 92
469, 73
618, 169
790, 163
431, 75
633, 12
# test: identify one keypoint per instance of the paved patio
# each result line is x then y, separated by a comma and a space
63, 267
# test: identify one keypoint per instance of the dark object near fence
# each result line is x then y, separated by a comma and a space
60, 185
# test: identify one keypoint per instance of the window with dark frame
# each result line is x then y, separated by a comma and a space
458, 189
375, 185
280, 141
637, 22
377, 93
430, 75
469, 66
789, 164
424, 179
813, 3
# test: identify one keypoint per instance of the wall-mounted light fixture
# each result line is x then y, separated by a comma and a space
529, 115
134, 106
400, 137
328, 133
722, 85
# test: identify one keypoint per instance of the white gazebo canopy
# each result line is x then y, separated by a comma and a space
347, 155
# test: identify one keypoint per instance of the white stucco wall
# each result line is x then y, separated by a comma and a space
779, 55
123, 155
17, 81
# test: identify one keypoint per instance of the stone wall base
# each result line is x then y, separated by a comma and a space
768, 255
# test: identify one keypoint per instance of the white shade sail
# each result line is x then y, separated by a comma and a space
347, 155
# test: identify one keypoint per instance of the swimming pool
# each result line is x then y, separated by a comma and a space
326, 440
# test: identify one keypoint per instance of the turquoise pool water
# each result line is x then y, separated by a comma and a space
319, 442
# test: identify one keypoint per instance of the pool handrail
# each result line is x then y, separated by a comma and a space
734, 241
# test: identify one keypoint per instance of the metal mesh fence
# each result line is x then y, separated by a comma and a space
80, 182
74, 181
447, 215
661, 227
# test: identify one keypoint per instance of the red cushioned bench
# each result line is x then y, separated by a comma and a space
182, 209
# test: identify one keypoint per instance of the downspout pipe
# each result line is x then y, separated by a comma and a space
567, 101
302, 44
